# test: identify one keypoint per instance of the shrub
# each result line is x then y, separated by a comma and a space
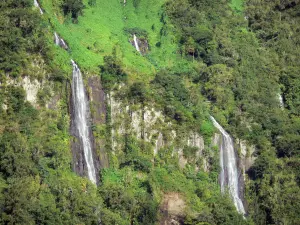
74, 7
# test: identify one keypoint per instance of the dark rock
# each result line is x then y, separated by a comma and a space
79, 163
98, 112
143, 45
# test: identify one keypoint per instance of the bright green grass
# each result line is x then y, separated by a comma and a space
237, 5
101, 29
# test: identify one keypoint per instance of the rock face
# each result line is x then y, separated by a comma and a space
31, 88
245, 160
159, 143
172, 209
96, 98
150, 125
141, 44
98, 111
85, 160
196, 141
230, 177
247, 157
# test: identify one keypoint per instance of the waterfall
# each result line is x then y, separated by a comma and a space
229, 176
63, 44
60, 42
57, 39
136, 44
280, 99
81, 116
36, 4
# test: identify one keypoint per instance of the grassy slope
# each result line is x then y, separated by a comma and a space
101, 28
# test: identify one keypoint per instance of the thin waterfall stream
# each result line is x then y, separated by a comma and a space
60, 42
280, 99
81, 117
57, 39
36, 4
229, 176
136, 44
81, 111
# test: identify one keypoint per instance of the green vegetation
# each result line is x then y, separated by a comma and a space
104, 29
74, 7
204, 57
237, 5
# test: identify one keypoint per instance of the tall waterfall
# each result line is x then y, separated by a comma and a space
136, 44
229, 176
81, 116
36, 4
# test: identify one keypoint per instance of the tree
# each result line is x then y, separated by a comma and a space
112, 72
75, 7
138, 92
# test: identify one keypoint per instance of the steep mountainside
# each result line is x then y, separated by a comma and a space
149, 112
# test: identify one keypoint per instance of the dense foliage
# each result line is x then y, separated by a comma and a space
249, 63
19, 35
36, 182
227, 58
74, 7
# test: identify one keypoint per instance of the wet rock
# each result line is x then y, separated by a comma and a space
98, 111
81, 139
141, 44
60, 42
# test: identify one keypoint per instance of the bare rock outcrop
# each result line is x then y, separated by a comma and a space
172, 209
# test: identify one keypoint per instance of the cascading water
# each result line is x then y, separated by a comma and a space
60, 42
81, 110
229, 176
136, 44
57, 39
81, 116
280, 99
36, 4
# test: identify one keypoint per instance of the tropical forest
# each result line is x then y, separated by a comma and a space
150, 112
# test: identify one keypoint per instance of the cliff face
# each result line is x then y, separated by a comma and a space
34, 89
245, 159
98, 112
148, 124
172, 209
96, 97
143, 45
79, 163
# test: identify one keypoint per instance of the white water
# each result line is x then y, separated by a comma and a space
57, 39
36, 4
63, 43
60, 42
229, 176
136, 44
280, 99
81, 119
